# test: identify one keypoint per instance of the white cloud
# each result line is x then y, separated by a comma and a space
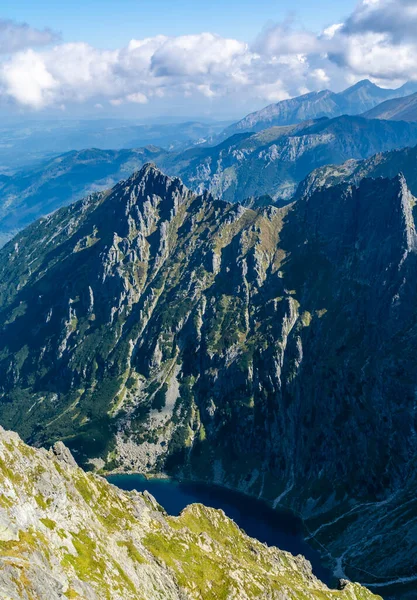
282, 39
28, 80
321, 76
331, 31
137, 98
207, 68
379, 40
397, 19
196, 55
204, 65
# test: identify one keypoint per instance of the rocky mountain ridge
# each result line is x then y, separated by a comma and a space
56, 182
275, 160
384, 164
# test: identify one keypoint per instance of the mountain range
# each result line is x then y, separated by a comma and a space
55, 182
355, 100
275, 160
24, 145
243, 167
241, 314
267, 350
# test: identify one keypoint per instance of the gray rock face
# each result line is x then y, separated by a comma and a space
63, 454
388, 165
275, 160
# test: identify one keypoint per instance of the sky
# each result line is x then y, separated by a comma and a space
110, 23
213, 59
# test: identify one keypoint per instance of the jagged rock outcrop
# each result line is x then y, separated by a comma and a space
68, 534
270, 350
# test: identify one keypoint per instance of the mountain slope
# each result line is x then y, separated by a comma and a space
355, 100
271, 162
268, 350
398, 109
67, 534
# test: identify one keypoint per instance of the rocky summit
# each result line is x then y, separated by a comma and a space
68, 534
268, 350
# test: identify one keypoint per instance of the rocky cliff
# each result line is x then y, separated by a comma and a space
68, 534
275, 160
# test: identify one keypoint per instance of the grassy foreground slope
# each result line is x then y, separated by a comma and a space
68, 534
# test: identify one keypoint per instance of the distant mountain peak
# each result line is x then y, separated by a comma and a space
403, 108
363, 83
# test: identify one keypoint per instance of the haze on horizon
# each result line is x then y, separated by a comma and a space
142, 59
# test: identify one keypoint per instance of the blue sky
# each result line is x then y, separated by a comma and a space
213, 58
110, 23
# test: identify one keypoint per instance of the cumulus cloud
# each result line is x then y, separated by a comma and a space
378, 40
16, 36
283, 39
205, 65
196, 55
28, 80
395, 18
137, 98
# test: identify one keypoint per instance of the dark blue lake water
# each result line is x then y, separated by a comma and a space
255, 517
